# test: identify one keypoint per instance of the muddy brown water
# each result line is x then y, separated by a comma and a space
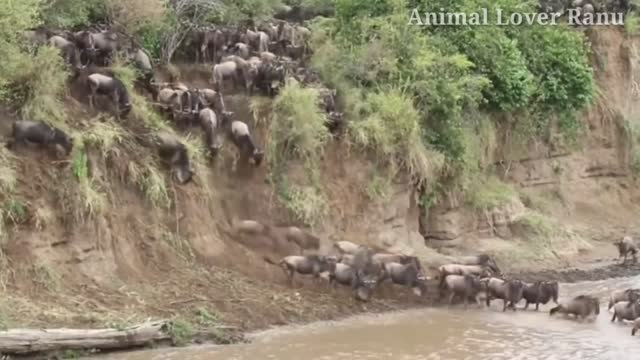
438, 333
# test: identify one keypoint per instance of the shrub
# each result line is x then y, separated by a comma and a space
72, 13
391, 128
135, 15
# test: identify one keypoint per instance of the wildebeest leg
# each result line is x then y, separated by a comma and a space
116, 102
451, 297
504, 305
614, 316
538, 304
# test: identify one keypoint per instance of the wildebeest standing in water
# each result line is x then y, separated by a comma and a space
631, 295
465, 286
582, 306
40, 133
540, 292
171, 149
626, 310
510, 291
112, 87
625, 247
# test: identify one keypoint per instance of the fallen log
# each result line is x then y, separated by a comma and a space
28, 341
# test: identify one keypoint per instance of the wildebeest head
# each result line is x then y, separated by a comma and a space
258, 155
227, 118
63, 140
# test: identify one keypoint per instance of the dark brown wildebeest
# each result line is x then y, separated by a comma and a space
408, 275
175, 152
510, 291
540, 292
581, 306
24, 131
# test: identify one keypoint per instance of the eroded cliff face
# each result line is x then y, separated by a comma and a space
591, 190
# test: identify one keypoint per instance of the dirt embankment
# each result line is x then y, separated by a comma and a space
135, 260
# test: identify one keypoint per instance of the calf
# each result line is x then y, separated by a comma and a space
39, 132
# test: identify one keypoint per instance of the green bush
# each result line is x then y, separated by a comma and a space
72, 13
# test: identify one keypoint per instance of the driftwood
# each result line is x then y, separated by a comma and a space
28, 341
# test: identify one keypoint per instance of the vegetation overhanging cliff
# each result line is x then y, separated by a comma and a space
518, 141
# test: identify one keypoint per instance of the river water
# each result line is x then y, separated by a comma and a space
439, 333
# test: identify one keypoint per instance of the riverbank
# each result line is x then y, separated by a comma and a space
204, 328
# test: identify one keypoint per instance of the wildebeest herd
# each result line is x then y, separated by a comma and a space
261, 57
470, 278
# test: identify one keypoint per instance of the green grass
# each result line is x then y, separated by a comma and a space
47, 83
8, 168
487, 191
16, 211
391, 129
538, 225
91, 201
151, 181
181, 332
297, 132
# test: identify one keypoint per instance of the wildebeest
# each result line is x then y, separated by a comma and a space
457, 269
39, 132
222, 71
306, 265
464, 286
625, 247
211, 44
368, 273
270, 78
210, 126
540, 292
242, 139
636, 326
250, 227
407, 275
345, 247
626, 310
401, 259
242, 50
213, 99
510, 291
631, 295
111, 87
582, 306
101, 45
170, 148
304, 239
346, 275
482, 259
342, 274
68, 49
